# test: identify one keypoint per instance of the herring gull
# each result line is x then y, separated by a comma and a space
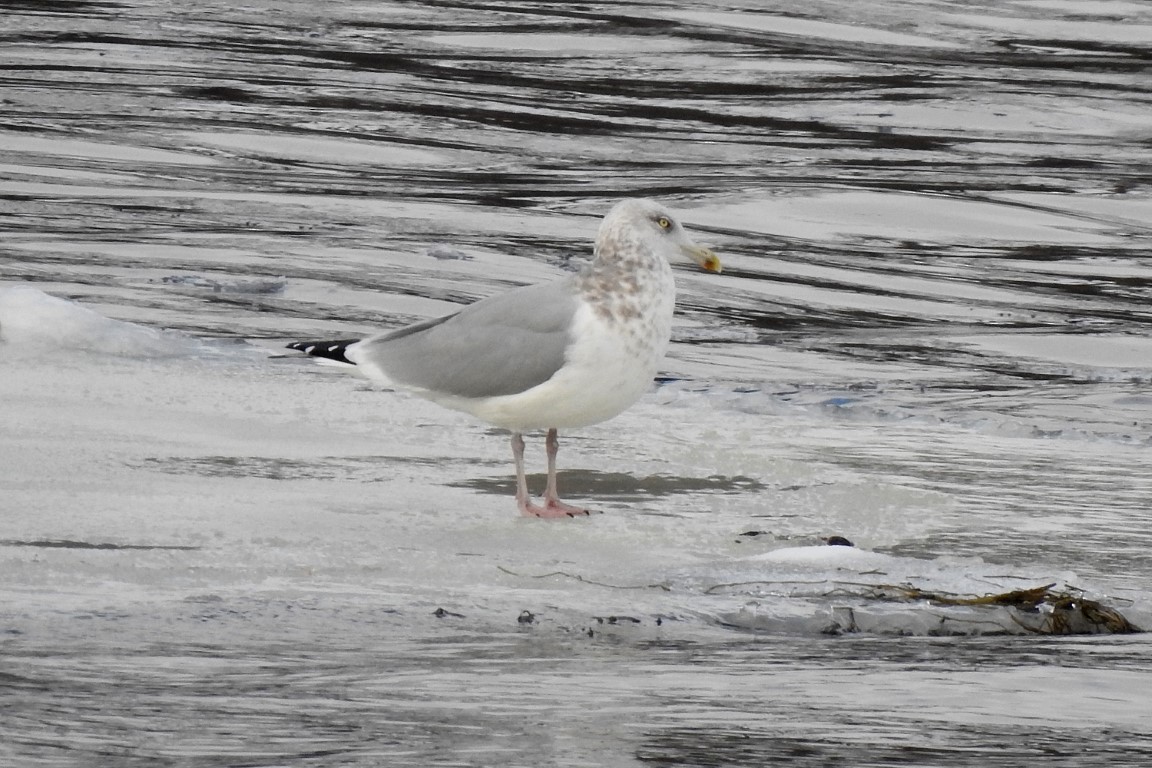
558, 355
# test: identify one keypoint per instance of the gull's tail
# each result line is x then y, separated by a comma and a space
331, 350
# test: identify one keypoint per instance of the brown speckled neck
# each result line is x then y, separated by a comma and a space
626, 280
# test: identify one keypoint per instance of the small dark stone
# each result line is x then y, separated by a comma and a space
838, 541
441, 613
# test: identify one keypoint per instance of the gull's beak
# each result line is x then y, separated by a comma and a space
707, 260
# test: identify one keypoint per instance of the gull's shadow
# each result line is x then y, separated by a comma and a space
623, 487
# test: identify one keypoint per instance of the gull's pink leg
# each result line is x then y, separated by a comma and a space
552, 503
552, 507
523, 499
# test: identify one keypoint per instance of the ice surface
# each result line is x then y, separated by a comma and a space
152, 468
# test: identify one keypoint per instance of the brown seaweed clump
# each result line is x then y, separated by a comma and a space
1043, 610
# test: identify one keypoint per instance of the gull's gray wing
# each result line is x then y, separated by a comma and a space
502, 345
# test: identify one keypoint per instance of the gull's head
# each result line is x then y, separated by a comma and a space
647, 223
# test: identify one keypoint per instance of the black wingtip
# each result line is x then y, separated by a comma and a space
331, 350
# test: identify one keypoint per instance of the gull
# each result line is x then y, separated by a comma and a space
559, 355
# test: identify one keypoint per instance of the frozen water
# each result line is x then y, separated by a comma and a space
259, 469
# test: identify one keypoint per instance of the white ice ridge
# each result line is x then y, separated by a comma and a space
34, 320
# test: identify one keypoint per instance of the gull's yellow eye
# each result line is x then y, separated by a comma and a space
664, 222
